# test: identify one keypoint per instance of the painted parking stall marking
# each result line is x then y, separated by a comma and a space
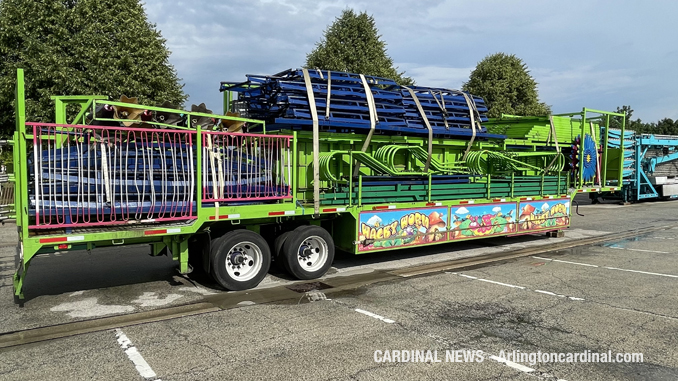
516, 286
137, 359
641, 250
606, 267
512, 364
489, 281
370, 314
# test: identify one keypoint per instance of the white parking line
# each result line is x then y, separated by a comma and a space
607, 267
568, 262
643, 250
515, 365
512, 364
514, 286
370, 314
558, 295
490, 281
133, 353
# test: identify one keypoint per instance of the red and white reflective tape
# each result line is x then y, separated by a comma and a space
225, 217
281, 213
162, 231
550, 197
499, 200
526, 199
382, 207
330, 210
63, 239
467, 202
434, 204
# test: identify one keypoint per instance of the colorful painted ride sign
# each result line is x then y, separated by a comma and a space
402, 227
544, 215
379, 230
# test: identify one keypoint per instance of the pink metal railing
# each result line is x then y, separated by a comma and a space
86, 176
245, 167
103, 175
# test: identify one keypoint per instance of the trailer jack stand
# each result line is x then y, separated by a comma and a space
180, 253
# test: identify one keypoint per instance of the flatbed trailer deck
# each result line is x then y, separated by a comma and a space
230, 202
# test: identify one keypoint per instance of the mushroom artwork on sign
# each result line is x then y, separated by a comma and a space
402, 227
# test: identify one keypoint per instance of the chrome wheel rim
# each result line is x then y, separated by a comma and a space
244, 261
312, 254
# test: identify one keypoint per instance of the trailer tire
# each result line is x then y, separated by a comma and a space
278, 245
240, 260
308, 252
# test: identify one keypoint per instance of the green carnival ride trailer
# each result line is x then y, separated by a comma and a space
220, 198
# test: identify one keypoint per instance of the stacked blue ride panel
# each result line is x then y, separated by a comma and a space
282, 101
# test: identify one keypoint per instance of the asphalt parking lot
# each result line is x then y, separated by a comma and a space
618, 296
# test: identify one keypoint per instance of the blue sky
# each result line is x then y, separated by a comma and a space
596, 54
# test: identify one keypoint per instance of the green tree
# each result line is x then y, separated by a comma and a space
353, 44
636, 125
74, 47
505, 83
615, 122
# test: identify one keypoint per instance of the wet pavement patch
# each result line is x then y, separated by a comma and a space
306, 287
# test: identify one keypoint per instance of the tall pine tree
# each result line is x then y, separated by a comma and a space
72, 47
353, 44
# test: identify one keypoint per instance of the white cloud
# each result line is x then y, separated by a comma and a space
437, 76
496, 209
584, 54
461, 210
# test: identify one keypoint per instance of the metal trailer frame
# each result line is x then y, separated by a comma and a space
538, 202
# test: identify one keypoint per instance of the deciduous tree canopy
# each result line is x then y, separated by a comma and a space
76, 47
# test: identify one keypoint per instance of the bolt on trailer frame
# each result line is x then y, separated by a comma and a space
82, 186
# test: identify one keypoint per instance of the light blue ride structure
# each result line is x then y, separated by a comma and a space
650, 169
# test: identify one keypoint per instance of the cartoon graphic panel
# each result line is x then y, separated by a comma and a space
473, 221
386, 229
544, 215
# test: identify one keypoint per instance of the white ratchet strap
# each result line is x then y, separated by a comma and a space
428, 127
105, 173
329, 93
552, 134
471, 114
373, 119
215, 187
441, 104
316, 142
